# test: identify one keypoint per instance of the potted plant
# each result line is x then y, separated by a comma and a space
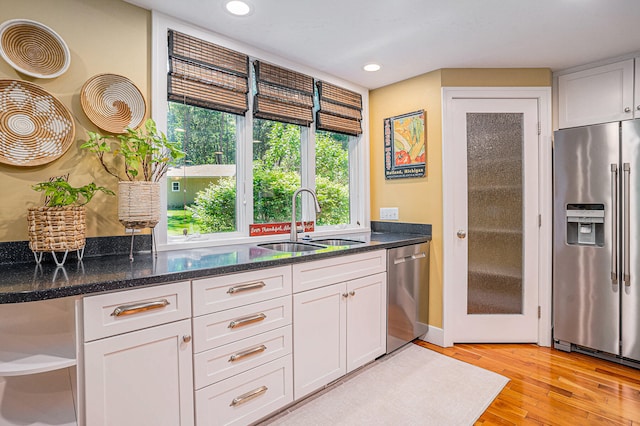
60, 225
144, 155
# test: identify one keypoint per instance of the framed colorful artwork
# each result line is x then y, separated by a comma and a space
405, 146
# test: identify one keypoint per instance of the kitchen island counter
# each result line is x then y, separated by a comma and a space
27, 282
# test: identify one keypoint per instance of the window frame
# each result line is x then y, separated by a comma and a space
175, 186
358, 146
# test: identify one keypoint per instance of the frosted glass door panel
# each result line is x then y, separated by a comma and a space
495, 216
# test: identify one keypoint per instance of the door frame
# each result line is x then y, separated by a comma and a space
545, 198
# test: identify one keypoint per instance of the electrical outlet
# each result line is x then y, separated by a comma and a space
388, 213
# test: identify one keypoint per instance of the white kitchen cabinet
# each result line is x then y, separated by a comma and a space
599, 95
138, 357
366, 320
242, 346
140, 378
337, 328
319, 337
38, 363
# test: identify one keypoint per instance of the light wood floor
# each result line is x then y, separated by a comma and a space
551, 387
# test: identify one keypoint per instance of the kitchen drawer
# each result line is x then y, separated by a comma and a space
230, 291
220, 328
225, 361
115, 313
319, 273
230, 402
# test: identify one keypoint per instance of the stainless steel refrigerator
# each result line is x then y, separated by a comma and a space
596, 264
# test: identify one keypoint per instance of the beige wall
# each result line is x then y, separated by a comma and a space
104, 36
419, 200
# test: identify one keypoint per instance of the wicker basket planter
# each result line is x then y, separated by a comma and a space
57, 229
138, 204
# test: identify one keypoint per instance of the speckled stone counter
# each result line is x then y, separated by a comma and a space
26, 282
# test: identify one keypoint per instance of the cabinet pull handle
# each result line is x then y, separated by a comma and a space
248, 352
245, 287
247, 320
352, 293
139, 307
246, 397
345, 294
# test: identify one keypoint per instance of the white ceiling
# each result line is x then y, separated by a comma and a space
412, 37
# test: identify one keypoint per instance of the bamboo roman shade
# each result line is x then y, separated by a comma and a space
340, 110
207, 75
283, 95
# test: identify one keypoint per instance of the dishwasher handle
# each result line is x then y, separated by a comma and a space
415, 256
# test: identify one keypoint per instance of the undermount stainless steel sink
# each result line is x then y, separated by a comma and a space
291, 246
337, 242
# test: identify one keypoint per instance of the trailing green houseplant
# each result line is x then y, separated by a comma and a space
59, 193
146, 152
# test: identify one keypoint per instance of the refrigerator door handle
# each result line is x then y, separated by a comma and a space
614, 223
626, 272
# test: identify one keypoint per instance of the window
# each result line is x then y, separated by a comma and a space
332, 178
245, 160
276, 169
208, 202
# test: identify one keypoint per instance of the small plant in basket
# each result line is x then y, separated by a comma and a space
146, 155
60, 225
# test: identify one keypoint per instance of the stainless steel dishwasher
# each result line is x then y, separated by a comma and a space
408, 294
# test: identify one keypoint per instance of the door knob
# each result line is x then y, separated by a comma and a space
461, 234
627, 109
186, 338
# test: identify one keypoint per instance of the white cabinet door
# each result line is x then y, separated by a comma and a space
597, 95
140, 378
636, 97
319, 337
366, 320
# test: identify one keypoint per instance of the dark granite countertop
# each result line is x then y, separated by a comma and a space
26, 282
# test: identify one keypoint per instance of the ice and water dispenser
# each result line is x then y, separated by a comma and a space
585, 224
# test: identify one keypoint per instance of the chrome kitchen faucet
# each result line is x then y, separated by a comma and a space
294, 228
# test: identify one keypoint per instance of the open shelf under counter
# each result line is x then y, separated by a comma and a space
44, 399
37, 337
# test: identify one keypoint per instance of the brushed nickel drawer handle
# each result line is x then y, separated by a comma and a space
246, 397
247, 320
248, 352
136, 308
246, 287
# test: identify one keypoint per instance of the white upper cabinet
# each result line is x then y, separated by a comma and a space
598, 95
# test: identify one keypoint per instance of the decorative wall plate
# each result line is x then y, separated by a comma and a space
35, 127
112, 102
33, 48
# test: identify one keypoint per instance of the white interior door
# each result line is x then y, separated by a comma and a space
494, 243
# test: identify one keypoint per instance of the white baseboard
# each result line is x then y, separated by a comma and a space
435, 335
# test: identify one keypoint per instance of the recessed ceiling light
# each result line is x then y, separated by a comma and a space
372, 67
238, 8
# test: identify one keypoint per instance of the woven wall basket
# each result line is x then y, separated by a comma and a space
33, 48
35, 127
113, 103
139, 204
56, 228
